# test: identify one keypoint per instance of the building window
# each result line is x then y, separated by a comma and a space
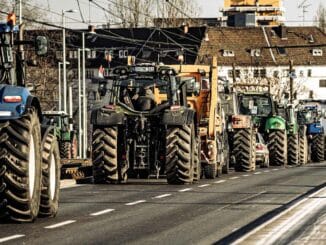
256, 73
276, 74
263, 73
123, 54
228, 53
91, 54
73, 54
230, 73
58, 55
322, 83
89, 73
281, 51
309, 73
237, 73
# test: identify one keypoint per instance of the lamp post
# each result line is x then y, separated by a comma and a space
60, 83
64, 57
82, 129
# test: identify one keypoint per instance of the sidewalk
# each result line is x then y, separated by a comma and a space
303, 223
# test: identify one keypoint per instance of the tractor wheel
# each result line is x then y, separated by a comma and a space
278, 148
210, 171
179, 164
50, 177
317, 148
105, 155
65, 150
243, 150
226, 155
196, 156
253, 150
304, 151
20, 170
325, 148
74, 148
293, 149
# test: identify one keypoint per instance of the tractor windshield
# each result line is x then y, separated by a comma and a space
6, 57
255, 105
140, 94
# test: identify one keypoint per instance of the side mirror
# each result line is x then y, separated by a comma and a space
41, 45
193, 86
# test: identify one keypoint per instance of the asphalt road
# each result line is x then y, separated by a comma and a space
150, 211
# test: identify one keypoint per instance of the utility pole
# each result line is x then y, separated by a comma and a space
291, 73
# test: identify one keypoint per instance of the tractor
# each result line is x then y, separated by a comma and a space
241, 133
310, 117
146, 128
66, 137
213, 140
263, 109
29, 154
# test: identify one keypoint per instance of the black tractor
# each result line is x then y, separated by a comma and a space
145, 129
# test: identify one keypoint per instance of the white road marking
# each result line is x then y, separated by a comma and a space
162, 196
235, 178
205, 185
275, 169
135, 203
219, 181
102, 212
8, 238
246, 175
60, 224
267, 171
184, 190
257, 173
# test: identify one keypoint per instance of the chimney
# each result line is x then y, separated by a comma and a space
282, 31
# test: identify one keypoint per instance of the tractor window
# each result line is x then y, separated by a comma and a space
255, 105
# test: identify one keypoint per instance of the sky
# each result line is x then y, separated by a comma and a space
208, 8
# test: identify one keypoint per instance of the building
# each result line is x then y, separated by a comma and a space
263, 54
253, 12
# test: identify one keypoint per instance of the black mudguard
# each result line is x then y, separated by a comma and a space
100, 117
178, 118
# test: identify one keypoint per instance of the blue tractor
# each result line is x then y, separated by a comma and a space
310, 116
29, 155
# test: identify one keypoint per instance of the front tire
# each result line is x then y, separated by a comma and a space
179, 164
278, 148
21, 171
50, 177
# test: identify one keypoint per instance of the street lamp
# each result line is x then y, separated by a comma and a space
59, 79
82, 129
64, 57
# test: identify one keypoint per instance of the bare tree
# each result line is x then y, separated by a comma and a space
135, 13
321, 17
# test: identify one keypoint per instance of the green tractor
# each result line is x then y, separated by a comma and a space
288, 112
262, 107
66, 137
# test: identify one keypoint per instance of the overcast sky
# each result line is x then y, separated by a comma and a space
209, 8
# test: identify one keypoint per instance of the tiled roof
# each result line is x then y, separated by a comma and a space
242, 40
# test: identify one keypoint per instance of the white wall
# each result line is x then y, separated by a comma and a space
303, 82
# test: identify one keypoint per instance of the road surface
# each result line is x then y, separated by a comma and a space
150, 211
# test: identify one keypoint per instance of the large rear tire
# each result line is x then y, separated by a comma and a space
244, 150
20, 170
278, 148
179, 164
50, 177
293, 149
105, 155
317, 148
